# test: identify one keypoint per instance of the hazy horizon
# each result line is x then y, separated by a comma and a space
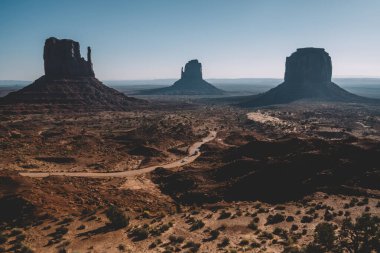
147, 40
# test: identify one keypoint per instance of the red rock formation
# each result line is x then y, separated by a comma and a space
191, 83
70, 81
62, 59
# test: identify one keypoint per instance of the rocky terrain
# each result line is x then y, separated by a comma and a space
308, 74
69, 81
262, 185
191, 83
84, 168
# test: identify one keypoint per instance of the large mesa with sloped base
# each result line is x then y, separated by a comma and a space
69, 80
191, 83
307, 76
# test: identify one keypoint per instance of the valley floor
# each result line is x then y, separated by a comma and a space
231, 195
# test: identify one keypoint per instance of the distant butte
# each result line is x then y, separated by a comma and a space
191, 83
69, 80
307, 76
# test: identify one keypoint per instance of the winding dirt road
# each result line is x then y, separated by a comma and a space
194, 153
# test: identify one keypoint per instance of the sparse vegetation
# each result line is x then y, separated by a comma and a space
361, 236
197, 224
274, 219
117, 217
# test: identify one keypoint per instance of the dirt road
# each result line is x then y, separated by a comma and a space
194, 153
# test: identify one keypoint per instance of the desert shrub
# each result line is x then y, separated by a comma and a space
160, 229
20, 237
81, 227
224, 242
121, 247
281, 208
152, 245
222, 227
155, 243
59, 232
328, 216
117, 217
192, 246
266, 235
252, 225
3, 239
360, 237
280, 232
306, 219
139, 234
289, 218
363, 202
353, 202
214, 234
25, 249
244, 242
224, 215
274, 219
255, 244
65, 221
15, 232
176, 239
294, 227
197, 224
262, 210
325, 235
313, 248
291, 249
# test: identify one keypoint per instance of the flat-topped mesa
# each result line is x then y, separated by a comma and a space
307, 77
308, 66
193, 70
62, 59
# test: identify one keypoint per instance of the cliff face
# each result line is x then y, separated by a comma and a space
191, 83
307, 76
62, 59
308, 65
193, 70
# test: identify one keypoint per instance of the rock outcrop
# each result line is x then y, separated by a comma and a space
307, 76
69, 81
193, 71
308, 66
191, 83
62, 59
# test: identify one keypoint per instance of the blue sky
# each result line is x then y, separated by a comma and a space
149, 39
